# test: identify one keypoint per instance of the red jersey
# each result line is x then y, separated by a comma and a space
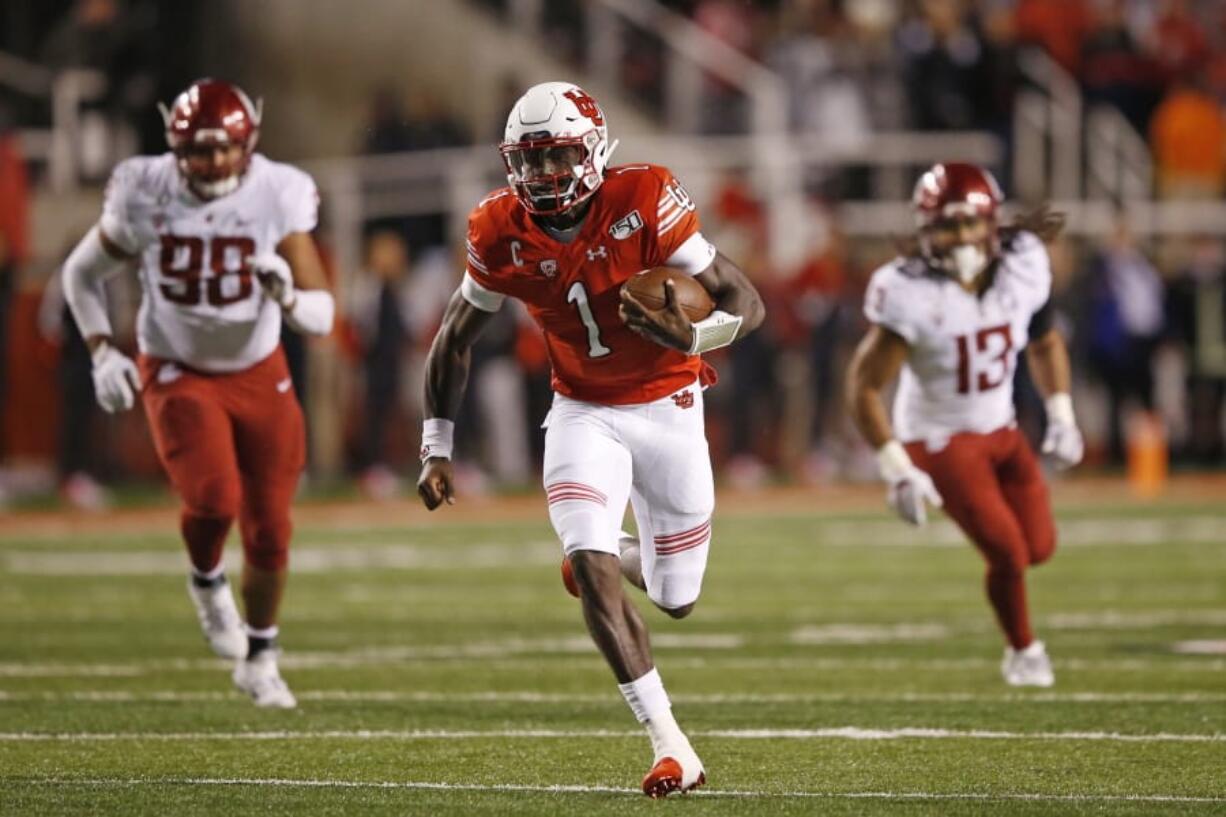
637, 220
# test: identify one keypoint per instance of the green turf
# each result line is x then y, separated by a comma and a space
442, 670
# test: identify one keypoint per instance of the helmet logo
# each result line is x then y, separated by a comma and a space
586, 105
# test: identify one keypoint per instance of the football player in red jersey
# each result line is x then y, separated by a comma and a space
626, 423
222, 238
952, 317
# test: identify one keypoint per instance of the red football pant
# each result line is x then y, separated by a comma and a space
234, 446
993, 488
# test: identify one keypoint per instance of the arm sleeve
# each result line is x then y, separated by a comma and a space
116, 220
885, 303
85, 271
694, 256
484, 299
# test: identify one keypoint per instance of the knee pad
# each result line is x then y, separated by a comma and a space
673, 586
213, 497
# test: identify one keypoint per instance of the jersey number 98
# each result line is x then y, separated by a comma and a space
183, 262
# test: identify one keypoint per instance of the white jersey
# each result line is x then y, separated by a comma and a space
199, 304
958, 375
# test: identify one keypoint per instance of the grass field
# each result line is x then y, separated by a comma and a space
836, 664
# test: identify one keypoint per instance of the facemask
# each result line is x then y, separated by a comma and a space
968, 261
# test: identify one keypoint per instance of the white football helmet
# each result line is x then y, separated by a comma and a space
556, 147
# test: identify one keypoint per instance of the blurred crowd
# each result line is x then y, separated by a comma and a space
1145, 318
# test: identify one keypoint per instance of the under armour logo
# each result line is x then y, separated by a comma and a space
684, 400
599, 252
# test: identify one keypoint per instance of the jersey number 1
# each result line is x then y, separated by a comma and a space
577, 295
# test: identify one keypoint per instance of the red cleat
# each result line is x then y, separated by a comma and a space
568, 578
666, 777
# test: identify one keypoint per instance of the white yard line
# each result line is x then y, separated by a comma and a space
531, 697
842, 732
1080, 532
581, 789
508, 656
314, 559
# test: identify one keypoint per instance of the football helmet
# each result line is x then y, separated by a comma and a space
208, 115
555, 147
955, 206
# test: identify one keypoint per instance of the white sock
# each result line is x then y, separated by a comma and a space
646, 696
267, 632
209, 575
649, 702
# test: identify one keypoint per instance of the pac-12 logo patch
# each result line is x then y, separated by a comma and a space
684, 400
627, 226
548, 267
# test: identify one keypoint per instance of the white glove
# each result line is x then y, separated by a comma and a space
910, 487
275, 277
116, 379
1062, 443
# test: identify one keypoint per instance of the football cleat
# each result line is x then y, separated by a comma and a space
568, 578
668, 775
219, 619
1027, 667
259, 678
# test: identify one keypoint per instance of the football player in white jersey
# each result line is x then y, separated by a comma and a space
220, 237
952, 317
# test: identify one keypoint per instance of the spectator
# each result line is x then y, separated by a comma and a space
1125, 323
1115, 70
1188, 137
1059, 27
14, 235
1199, 291
380, 317
946, 64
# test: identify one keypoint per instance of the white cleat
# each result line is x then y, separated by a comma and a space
676, 769
219, 619
259, 678
1027, 667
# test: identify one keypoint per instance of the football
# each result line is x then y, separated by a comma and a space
648, 288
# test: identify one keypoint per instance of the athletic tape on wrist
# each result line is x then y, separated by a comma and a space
714, 331
436, 438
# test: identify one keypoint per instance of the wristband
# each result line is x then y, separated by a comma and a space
436, 438
714, 331
311, 311
893, 461
1060, 409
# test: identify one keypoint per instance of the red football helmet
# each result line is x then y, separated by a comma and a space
955, 212
212, 114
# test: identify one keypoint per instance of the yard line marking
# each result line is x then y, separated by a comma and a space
509, 656
635, 792
840, 732
1080, 532
529, 696
315, 559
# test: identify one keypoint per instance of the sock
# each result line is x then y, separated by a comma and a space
259, 640
649, 702
1007, 592
208, 579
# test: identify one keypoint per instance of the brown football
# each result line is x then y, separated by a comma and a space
648, 288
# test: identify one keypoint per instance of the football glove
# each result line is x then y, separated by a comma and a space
116, 379
275, 277
911, 489
1062, 442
